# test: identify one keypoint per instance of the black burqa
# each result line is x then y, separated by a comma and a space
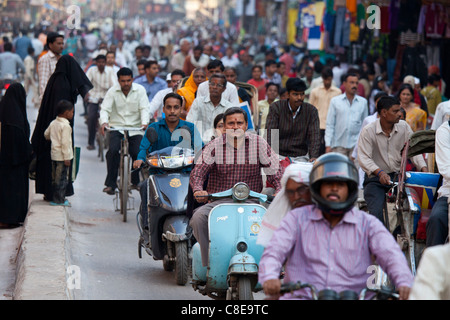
66, 83
15, 152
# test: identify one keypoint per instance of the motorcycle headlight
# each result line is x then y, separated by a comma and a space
153, 161
172, 161
188, 160
241, 191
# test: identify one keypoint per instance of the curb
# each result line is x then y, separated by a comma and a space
42, 257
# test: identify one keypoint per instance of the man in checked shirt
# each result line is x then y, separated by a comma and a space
331, 244
236, 156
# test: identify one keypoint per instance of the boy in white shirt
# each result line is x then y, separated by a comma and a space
59, 132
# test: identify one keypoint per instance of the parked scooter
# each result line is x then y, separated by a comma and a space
167, 238
232, 270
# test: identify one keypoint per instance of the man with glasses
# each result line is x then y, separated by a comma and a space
205, 108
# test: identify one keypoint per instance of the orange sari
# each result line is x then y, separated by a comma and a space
188, 91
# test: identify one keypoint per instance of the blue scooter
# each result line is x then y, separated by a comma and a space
232, 270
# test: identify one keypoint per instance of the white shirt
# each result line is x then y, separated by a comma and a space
443, 157
102, 82
202, 113
344, 121
230, 62
432, 281
229, 94
126, 111
441, 115
157, 103
59, 132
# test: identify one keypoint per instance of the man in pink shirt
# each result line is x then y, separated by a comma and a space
331, 244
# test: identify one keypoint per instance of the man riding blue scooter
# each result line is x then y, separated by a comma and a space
236, 156
166, 129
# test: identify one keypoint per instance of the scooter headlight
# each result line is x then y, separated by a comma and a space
241, 246
241, 191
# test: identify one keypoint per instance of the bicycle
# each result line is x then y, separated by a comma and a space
124, 179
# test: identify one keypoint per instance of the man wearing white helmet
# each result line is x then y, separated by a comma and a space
294, 193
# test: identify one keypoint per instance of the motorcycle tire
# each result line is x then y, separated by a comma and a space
181, 263
244, 288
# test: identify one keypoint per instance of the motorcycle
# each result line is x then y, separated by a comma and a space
5, 83
232, 270
168, 238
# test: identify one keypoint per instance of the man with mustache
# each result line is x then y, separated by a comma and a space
345, 117
379, 155
297, 124
331, 244
236, 156
294, 193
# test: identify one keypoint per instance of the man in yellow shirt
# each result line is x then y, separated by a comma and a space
320, 97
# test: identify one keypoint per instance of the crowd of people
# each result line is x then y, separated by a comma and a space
300, 107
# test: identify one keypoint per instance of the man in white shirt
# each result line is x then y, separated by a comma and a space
442, 115
102, 80
125, 105
205, 108
229, 60
230, 94
157, 103
437, 225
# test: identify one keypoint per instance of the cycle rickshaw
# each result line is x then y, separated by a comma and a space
414, 196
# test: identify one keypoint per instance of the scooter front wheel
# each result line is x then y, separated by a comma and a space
244, 288
181, 263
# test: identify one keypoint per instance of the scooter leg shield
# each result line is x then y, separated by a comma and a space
198, 270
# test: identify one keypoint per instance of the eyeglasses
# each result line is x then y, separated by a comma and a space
216, 85
300, 190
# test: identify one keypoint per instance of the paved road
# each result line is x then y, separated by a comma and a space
104, 247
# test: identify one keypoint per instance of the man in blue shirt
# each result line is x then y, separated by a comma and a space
345, 117
150, 80
169, 134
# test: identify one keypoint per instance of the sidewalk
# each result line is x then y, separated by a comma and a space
42, 257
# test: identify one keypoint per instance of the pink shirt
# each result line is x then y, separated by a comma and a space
337, 258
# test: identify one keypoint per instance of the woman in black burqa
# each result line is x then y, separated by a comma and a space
66, 83
15, 152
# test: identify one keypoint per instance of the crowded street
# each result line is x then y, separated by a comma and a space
224, 150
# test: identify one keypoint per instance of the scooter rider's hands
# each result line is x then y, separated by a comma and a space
272, 287
404, 292
201, 199
137, 164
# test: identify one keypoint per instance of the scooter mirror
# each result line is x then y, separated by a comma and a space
151, 135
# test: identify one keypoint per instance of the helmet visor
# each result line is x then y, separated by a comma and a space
334, 170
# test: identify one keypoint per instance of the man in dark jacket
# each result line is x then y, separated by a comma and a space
296, 123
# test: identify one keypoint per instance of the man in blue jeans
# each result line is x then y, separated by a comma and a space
437, 225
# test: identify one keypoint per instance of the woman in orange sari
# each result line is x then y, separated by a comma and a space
415, 116
189, 90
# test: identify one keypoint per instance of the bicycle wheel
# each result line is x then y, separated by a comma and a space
125, 170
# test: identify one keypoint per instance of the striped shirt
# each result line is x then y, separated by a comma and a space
227, 165
46, 67
336, 258
298, 135
102, 82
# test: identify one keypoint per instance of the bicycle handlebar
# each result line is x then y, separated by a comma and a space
124, 129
